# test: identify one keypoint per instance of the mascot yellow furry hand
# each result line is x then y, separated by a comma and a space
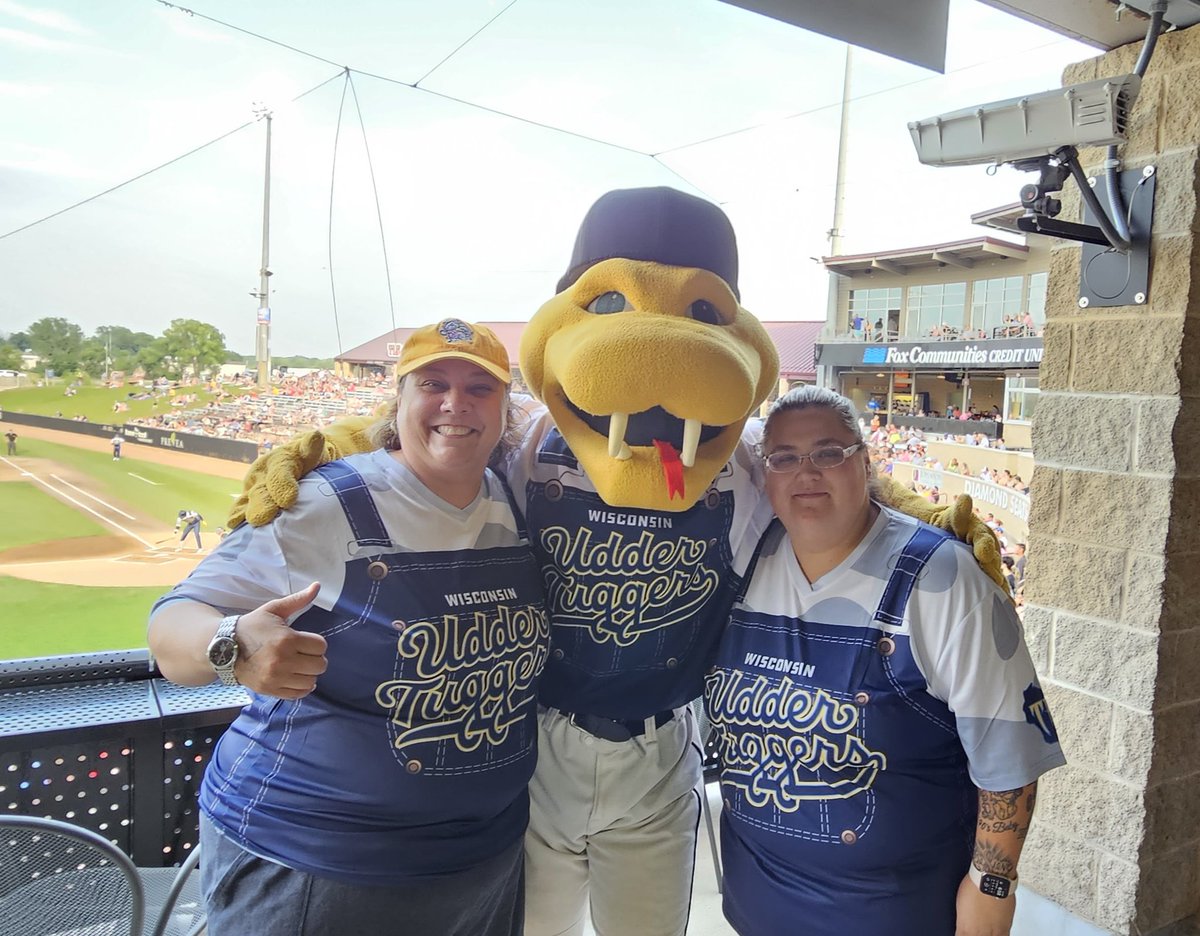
271, 483
957, 518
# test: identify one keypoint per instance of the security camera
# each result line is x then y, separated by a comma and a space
1094, 113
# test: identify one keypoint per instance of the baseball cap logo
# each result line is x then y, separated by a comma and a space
456, 330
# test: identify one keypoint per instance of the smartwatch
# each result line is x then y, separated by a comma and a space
223, 650
994, 885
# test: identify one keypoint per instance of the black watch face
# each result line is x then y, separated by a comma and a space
222, 652
995, 886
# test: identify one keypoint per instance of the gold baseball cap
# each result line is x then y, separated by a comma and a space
454, 338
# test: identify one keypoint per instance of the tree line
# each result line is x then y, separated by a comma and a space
185, 346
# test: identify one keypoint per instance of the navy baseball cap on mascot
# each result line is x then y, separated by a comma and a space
646, 360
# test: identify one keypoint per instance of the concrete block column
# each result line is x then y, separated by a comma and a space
1113, 580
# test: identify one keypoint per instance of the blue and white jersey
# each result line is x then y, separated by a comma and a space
857, 716
637, 598
412, 756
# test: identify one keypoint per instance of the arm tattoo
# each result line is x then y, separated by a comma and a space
1002, 805
1005, 814
991, 858
998, 826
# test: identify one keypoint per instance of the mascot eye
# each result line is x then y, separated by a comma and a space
608, 303
704, 311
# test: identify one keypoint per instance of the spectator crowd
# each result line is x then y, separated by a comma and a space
293, 402
890, 444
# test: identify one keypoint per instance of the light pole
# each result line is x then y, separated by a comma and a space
262, 335
839, 211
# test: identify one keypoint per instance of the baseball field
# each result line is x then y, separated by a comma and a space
87, 543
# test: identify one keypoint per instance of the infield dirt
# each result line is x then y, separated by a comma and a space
138, 549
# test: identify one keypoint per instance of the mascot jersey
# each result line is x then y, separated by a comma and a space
856, 717
413, 754
637, 598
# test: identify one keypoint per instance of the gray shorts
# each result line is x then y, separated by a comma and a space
247, 894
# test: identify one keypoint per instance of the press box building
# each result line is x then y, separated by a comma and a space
952, 324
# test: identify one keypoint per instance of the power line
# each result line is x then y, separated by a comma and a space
460, 46
680, 175
345, 71
415, 86
142, 175
500, 113
283, 45
859, 97
387, 267
329, 243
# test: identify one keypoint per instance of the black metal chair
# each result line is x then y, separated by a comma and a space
57, 878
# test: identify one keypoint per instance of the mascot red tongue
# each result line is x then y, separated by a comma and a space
645, 358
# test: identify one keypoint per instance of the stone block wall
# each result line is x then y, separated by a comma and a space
1113, 581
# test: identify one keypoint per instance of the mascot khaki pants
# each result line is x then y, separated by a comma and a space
613, 821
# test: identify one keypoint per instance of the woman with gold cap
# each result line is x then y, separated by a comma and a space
390, 630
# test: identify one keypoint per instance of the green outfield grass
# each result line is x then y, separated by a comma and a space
41, 619
96, 403
29, 515
159, 490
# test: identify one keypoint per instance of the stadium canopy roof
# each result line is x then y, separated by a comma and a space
915, 30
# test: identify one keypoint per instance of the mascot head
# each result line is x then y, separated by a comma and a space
646, 359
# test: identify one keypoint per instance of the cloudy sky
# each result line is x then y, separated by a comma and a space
481, 172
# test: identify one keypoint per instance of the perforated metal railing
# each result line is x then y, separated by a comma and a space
101, 741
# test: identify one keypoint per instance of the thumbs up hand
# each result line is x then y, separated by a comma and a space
272, 658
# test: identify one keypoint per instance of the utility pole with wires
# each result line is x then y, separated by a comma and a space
262, 336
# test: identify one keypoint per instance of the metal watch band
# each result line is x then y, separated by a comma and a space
227, 629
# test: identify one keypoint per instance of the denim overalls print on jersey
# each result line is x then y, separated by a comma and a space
634, 594
421, 736
842, 776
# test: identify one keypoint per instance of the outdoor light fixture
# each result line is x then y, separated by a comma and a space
1042, 133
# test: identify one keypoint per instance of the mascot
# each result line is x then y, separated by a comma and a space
642, 488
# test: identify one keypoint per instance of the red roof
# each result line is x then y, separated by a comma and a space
796, 342
376, 350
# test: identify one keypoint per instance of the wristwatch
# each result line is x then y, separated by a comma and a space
223, 650
994, 885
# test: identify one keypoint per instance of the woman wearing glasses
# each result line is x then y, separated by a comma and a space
880, 722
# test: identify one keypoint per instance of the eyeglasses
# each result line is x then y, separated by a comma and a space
828, 457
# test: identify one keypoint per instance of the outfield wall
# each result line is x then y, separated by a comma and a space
228, 449
1009, 506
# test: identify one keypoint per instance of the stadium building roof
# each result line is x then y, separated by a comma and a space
386, 348
796, 342
964, 253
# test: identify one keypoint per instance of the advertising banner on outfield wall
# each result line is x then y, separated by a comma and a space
1010, 507
229, 449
